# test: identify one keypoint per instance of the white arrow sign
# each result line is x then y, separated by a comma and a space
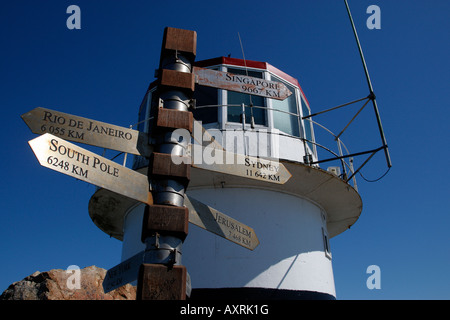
241, 83
123, 273
78, 129
59, 155
127, 271
215, 159
220, 224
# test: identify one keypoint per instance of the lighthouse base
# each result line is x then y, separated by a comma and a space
257, 294
293, 223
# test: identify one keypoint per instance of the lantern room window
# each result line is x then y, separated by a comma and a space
206, 97
285, 112
235, 100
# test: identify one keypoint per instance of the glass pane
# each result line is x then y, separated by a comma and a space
205, 96
234, 113
286, 122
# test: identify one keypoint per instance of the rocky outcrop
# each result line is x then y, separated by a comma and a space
57, 284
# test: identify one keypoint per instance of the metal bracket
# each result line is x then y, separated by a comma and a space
307, 159
163, 250
156, 244
193, 104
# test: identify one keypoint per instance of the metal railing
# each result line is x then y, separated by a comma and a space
347, 168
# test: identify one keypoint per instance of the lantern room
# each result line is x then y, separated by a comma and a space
250, 124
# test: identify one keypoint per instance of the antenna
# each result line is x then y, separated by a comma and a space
252, 119
372, 94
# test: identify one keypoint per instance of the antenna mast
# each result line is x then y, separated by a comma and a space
369, 83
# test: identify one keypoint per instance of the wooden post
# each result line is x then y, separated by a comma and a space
165, 223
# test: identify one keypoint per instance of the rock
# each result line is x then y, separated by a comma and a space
57, 284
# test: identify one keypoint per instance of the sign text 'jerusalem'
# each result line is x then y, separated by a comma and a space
220, 224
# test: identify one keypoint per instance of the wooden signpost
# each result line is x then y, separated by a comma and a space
54, 152
220, 224
123, 273
87, 131
127, 272
239, 165
59, 155
241, 83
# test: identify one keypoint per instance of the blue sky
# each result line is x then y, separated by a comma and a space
102, 71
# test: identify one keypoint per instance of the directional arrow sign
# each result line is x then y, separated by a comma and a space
57, 154
241, 83
123, 273
222, 161
127, 271
222, 225
78, 129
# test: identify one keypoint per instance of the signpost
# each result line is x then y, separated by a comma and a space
127, 272
54, 152
59, 155
239, 165
62, 156
78, 129
241, 83
220, 224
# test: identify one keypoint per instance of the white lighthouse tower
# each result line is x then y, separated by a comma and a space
293, 221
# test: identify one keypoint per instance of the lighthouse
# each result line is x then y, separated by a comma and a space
292, 220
